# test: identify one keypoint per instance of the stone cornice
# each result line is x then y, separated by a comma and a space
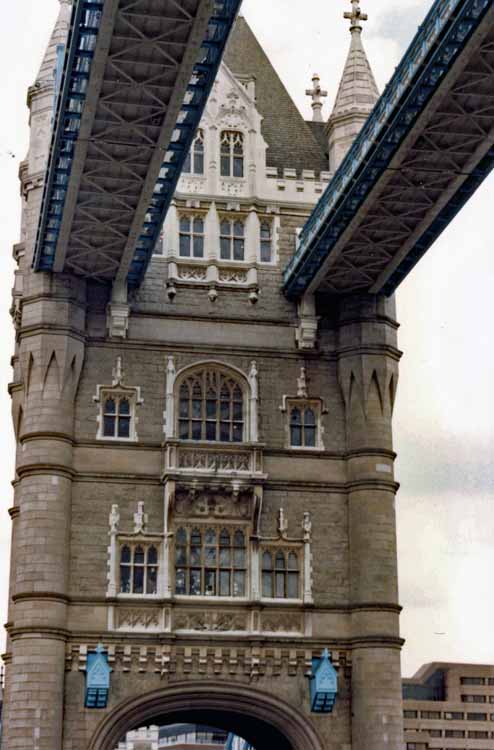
43, 469
42, 596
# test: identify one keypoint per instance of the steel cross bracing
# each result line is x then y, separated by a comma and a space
136, 79
424, 150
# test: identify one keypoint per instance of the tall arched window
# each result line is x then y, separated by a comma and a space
211, 407
138, 569
232, 239
232, 154
116, 417
191, 237
210, 561
280, 575
194, 161
303, 427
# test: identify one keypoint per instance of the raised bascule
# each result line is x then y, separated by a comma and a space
205, 367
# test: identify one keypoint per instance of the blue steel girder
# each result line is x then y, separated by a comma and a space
136, 78
426, 147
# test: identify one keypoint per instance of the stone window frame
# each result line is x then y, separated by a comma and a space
118, 390
301, 402
192, 234
247, 383
140, 536
218, 527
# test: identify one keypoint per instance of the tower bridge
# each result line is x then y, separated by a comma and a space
203, 523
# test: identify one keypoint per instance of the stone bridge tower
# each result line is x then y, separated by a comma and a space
204, 481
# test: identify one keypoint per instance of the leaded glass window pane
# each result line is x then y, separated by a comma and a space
211, 407
211, 562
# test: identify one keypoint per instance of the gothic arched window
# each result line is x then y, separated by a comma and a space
211, 407
210, 561
303, 427
280, 574
117, 416
191, 237
138, 569
194, 161
232, 239
232, 154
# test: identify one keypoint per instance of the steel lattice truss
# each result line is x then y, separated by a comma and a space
137, 77
411, 184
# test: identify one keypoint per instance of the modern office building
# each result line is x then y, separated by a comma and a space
449, 706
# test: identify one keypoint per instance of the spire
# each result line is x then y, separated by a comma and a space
356, 95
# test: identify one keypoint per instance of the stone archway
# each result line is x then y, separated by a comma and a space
259, 717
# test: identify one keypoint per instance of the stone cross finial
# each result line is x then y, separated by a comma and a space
317, 94
356, 16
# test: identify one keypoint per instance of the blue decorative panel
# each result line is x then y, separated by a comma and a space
323, 685
97, 679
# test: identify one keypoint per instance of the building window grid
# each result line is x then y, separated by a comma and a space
280, 574
138, 569
472, 698
232, 239
194, 161
117, 416
191, 237
210, 561
232, 154
211, 408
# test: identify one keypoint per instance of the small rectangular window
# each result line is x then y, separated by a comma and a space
266, 254
454, 715
472, 680
408, 714
476, 717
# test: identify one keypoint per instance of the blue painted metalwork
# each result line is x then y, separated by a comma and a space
467, 189
437, 44
237, 743
57, 74
97, 678
198, 90
84, 26
83, 32
323, 685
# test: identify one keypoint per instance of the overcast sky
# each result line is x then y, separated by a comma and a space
444, 426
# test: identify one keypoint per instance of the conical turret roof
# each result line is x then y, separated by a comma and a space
358, 90
58, 36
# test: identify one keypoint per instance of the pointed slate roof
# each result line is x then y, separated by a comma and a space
358, 91
58, 36
292, 143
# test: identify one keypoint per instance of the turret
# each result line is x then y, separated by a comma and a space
356, 96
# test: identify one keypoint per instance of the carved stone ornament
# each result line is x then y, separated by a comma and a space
288, 622
211, 461
140, 519
114, 519
233, 113
223, 621
144, 618
213, 503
